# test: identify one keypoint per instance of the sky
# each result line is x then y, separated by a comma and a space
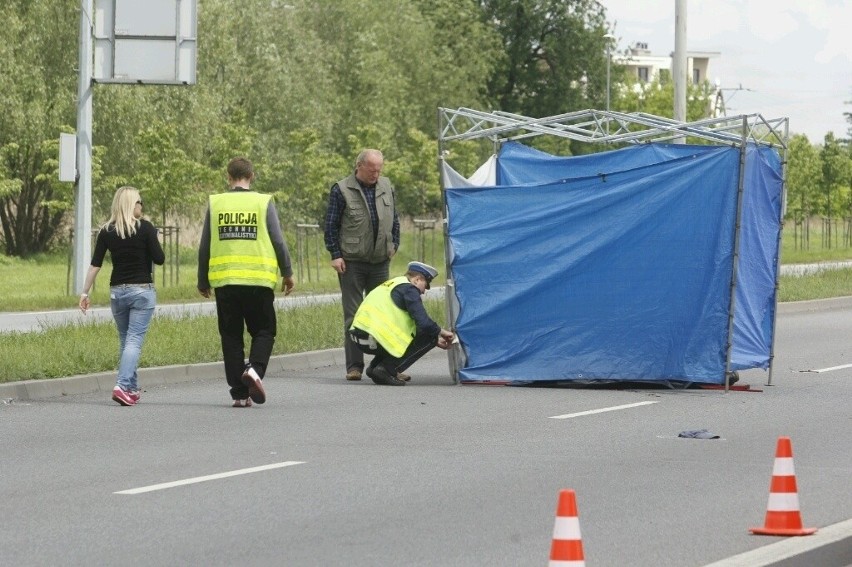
790, 58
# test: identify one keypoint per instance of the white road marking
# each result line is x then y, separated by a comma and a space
198, 479
788, 548
829, 369
602, 410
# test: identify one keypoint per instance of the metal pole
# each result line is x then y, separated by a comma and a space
608, 37
454, 355
729, 346
778, 244
83, 204
608, 61
679, 65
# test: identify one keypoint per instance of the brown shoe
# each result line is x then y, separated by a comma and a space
353, 375
403, 377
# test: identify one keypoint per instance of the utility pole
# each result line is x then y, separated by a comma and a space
83, 199
609, 39
679, 65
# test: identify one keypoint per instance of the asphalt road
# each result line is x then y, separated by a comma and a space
431, 473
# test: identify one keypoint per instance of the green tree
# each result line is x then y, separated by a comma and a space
38, 58
300, 180
392, 66
415, 175
554, 55
835, 176
657, 97
804, 174
167, 177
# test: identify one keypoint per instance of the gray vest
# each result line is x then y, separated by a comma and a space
356, 230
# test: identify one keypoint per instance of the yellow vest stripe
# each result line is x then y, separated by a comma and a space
273, 262
243, 275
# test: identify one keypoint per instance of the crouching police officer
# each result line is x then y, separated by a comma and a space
393, 325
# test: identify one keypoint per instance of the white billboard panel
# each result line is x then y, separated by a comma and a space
145, 42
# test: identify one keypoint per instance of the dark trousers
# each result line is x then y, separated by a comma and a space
359, 279
421, 344
242, 307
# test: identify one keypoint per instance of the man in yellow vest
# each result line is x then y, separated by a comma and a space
241, 251
393, 325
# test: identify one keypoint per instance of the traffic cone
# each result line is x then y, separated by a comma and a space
782, 511
567, 547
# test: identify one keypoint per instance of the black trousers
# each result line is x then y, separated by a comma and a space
241, 307
421, 344
359, 280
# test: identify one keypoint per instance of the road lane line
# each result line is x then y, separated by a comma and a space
829, 369
198, 479
602, 410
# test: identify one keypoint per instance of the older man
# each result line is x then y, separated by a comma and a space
362, 235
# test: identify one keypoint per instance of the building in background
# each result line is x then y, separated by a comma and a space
643, 66
640, 63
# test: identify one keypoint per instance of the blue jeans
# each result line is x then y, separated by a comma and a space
132, 308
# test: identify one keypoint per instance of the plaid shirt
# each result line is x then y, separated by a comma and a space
334, 214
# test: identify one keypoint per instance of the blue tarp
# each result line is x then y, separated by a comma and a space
615, 266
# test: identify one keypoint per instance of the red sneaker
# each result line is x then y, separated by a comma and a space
122, 397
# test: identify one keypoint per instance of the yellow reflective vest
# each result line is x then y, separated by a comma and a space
378, 315
241, 252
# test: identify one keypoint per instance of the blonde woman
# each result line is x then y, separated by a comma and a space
133, 246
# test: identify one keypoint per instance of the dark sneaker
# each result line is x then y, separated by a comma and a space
251, 379
122, 397
380, 375
246, 403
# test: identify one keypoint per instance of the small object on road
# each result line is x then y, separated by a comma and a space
697, 434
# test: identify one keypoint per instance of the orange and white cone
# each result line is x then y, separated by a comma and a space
782, 512
567, 547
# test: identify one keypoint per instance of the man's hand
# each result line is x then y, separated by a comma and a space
339, 265
204, 292
445, 339
287, 284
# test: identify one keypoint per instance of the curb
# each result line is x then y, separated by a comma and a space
159, 375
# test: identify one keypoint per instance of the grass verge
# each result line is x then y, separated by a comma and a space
87, 348
822, 285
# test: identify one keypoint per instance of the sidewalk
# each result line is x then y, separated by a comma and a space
33, 321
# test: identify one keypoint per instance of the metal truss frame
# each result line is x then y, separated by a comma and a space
610, 127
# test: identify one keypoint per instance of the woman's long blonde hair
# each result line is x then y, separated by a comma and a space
123, 206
